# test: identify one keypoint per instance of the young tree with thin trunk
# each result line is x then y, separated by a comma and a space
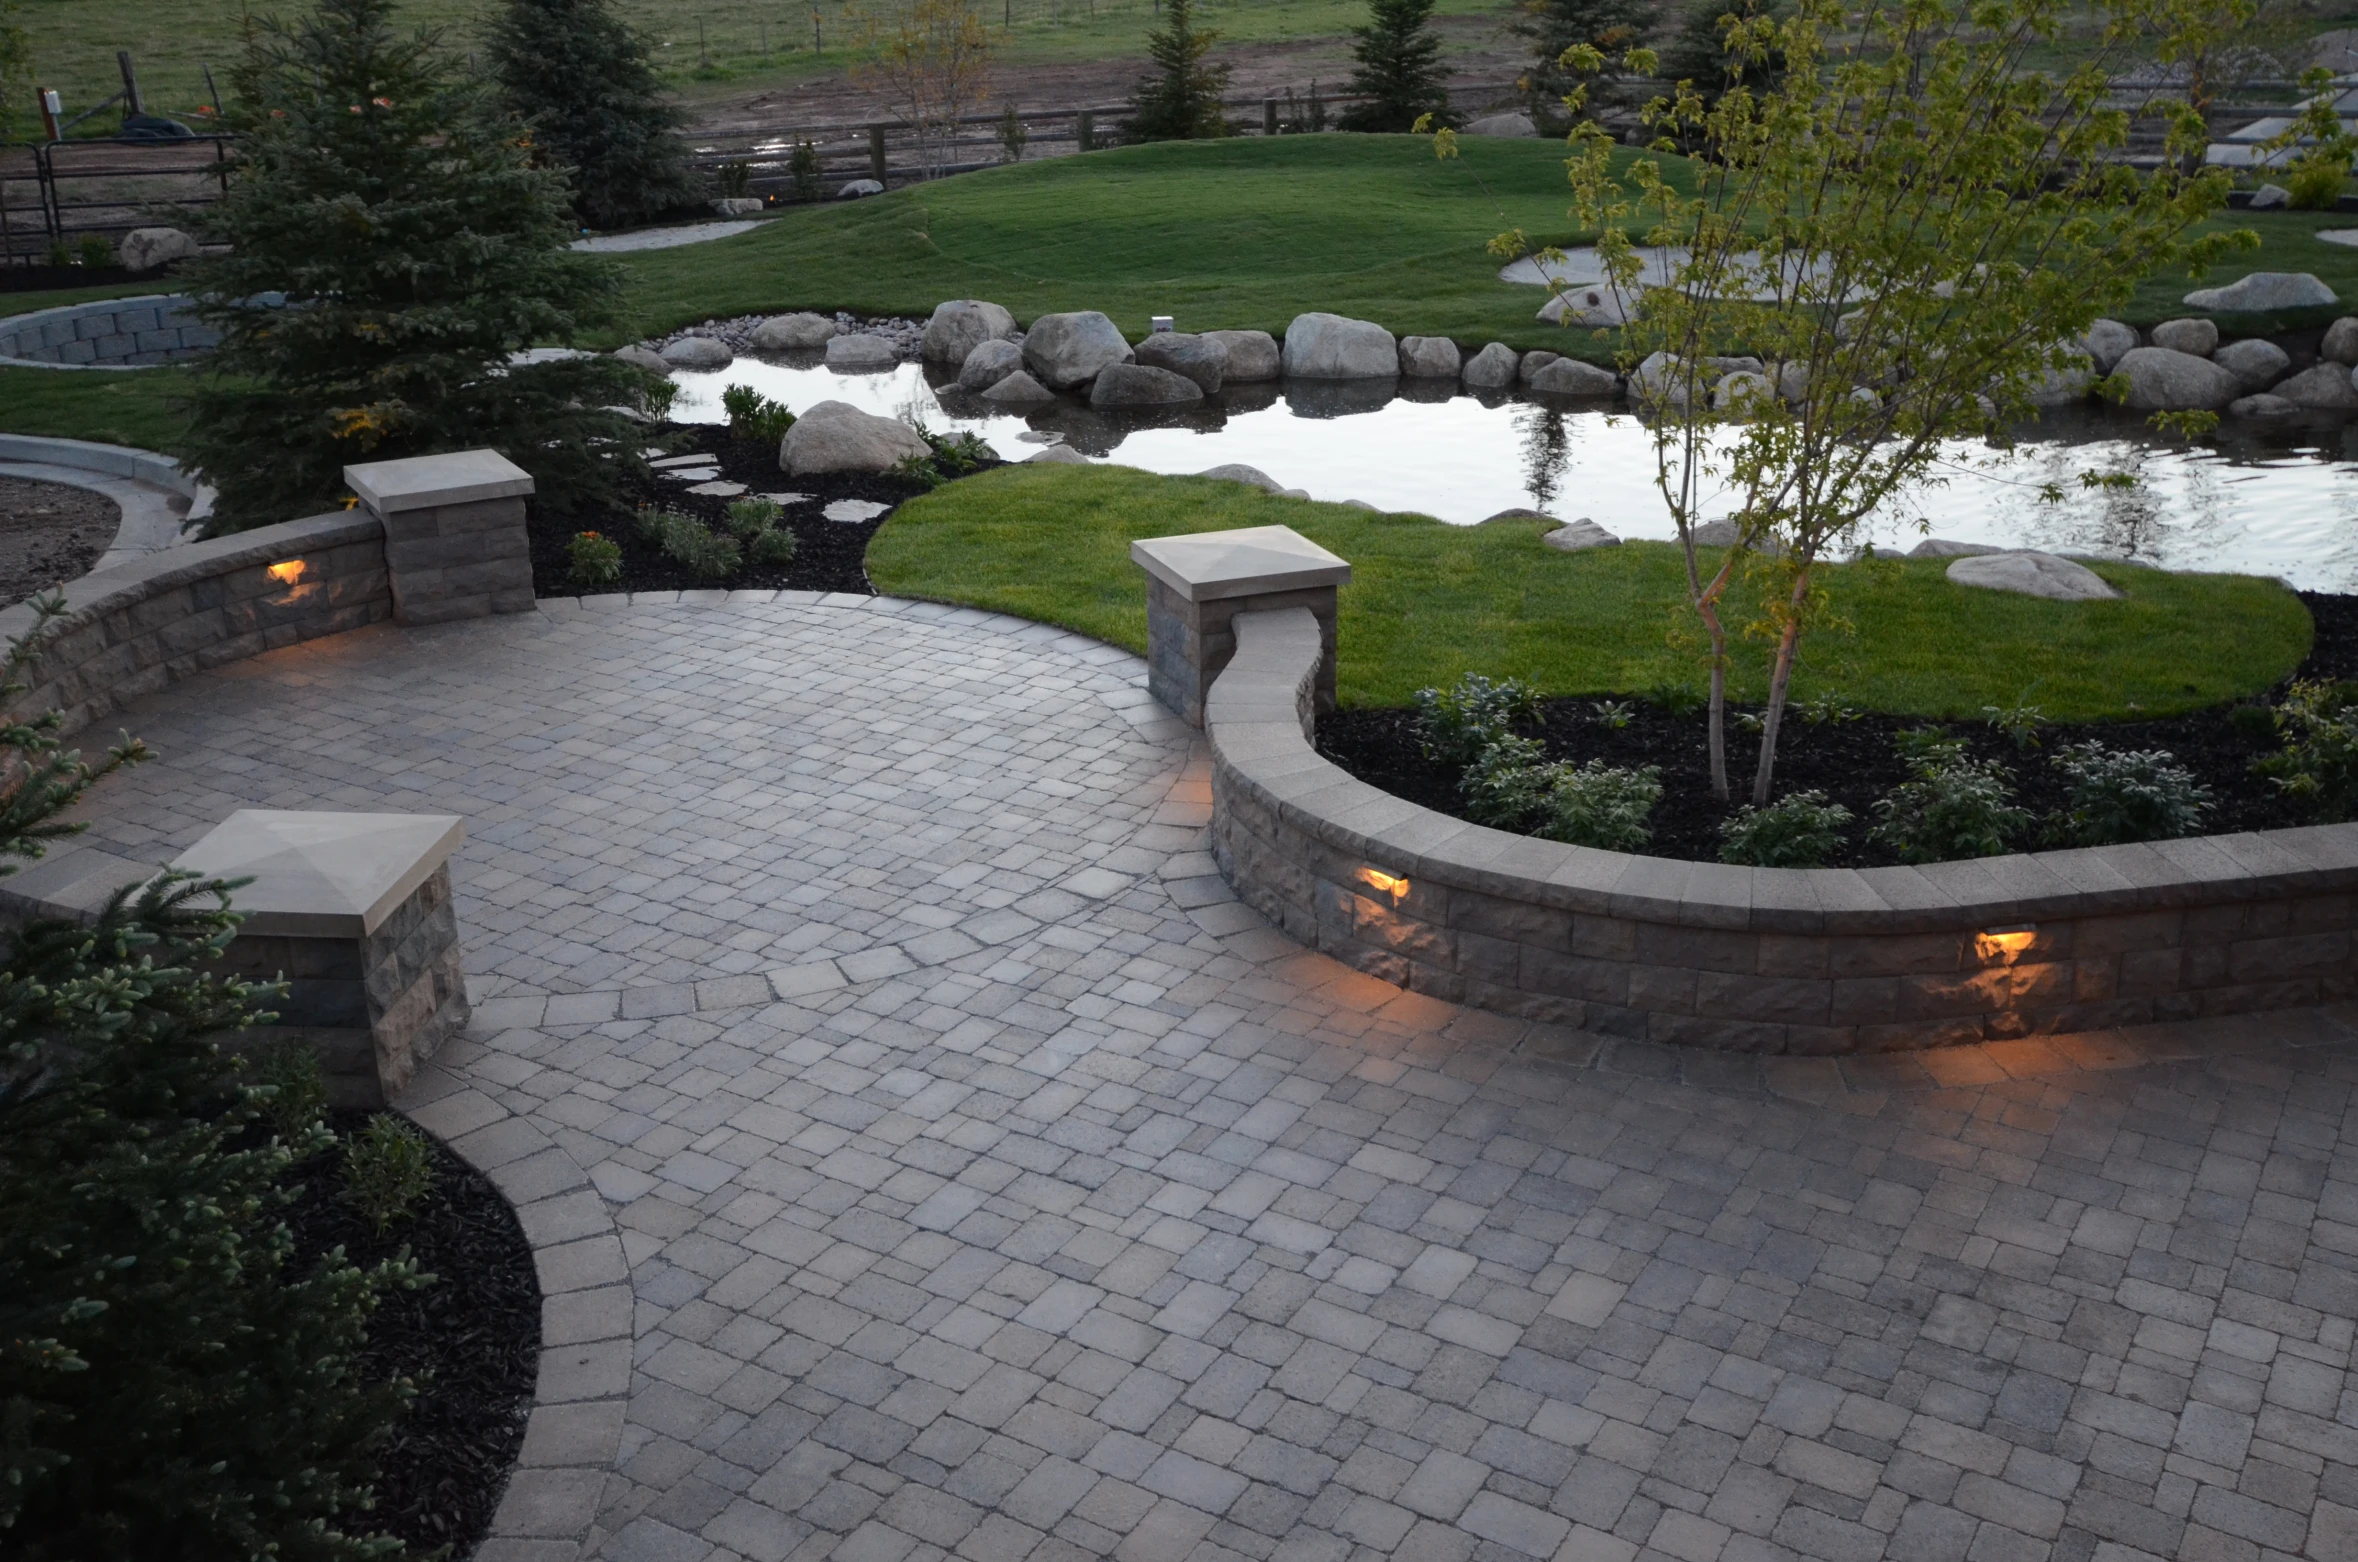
1911, 230
933, 59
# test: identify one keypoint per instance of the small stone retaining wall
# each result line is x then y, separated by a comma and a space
145, 625
111, 333
1770, 960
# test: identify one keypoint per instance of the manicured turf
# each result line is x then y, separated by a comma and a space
1428, 602
138, 407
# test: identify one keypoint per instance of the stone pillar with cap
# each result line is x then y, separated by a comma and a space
1196, 585
455, 543
354, 910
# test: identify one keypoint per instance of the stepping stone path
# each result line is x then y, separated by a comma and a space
970, 1174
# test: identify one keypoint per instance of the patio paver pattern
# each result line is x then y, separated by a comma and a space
994, 1185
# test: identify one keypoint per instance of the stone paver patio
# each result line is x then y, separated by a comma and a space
993, 1184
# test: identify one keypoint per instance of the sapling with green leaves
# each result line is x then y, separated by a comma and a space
1911, 228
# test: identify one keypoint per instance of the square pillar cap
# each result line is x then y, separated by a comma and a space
1251, 561
323, 875
424, 482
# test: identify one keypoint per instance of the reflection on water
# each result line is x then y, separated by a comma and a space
2281, 503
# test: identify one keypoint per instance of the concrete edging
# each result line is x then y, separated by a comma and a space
1771, 960
131, 477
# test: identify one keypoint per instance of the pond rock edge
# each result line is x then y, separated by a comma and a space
1780, 961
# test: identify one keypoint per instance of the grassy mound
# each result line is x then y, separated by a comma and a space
1428, 602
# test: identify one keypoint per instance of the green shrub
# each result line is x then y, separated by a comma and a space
92, 249
593, 559
1612, 715
2318, 764
170, 1385
774, 547
1955, 807
1798, 830
388, 1168
288, 1087
2127, 795
1600, 805
1507, 783
919, 470
804, 166
2019, 722
753, 416
1456, 725
1676, 699
955, 455
688, 542
749, 518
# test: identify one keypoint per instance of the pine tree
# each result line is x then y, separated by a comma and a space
1400, 71
1698, 51
1180, 99
580, 77
1613, 27
169, 1387
392, 246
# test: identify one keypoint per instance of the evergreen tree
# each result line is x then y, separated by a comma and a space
1180, 99
579, 76
1400, 71
391, 247
169, 1390
1699, 52
1613, 27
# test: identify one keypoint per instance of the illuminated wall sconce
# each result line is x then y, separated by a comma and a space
2004, 945
288, 573
1385, 883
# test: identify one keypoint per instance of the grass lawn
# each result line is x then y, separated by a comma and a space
138, 407
1428, 602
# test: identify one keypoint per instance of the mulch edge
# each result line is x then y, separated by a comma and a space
574, 1436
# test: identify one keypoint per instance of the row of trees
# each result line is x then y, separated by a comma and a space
1399, 78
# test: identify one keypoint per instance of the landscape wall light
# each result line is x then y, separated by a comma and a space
1385, 883
288, 573
2004, 944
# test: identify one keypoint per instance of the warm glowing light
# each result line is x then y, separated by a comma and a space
1386, 883
2004, 943
287, 573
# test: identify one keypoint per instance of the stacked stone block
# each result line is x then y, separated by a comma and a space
1196, 585
1766, 960
455, 539
125, 333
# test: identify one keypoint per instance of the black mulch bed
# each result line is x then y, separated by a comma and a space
828, 555
1852, 762
42, 278
471, 1340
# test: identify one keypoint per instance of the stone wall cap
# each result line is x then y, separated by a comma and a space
1249, 561
323, 875
425, 482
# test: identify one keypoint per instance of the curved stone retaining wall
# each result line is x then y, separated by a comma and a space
1774, 960
145, 625
108, 333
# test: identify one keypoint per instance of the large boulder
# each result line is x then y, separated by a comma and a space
1321, 346
1596, 304
960, 325
1950, 548
650, 361
1066, 351
1198, 358
2269, 198
1141, 385
1238, 472
2256, 362
1057, 455
2032, 575
1534, 361
861, 354
2064, 386
836, 436
737, 206
144, 249
2107, 342
1018, 390
1252, 356
2264, 290
2164, 381
854, 189
2341, 340
1659, 381
1742, 392
1579, 536
988, 364
794, 333
1430, 358
1493, 368
2198, 337
699, 352
1512, 123
2261, 406
1571, 377
2322, 387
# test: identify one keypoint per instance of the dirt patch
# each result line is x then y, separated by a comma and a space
50, 533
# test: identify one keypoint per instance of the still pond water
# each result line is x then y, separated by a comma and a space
2284, 503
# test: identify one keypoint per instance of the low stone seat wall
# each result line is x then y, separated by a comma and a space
1770, 960
108, 333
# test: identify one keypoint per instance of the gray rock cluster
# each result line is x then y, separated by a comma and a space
2186, 368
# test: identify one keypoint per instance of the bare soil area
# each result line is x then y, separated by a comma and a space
50, 533
1482, 54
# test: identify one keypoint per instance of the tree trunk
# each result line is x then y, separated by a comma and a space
1780, 681
1716, 722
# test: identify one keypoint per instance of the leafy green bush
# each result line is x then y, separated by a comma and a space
804, 167
388, 1168
1456, 725
1798, 830
749, 518
2019, 722
170, 1386
688, 542
753, 416
919, 470
593, 559
288, 1087
1600, 805
1507, 783
2127, 795
774, 547
1955, 807
1676, 699
2318, 763
955, 455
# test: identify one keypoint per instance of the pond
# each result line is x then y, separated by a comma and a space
2283, 502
